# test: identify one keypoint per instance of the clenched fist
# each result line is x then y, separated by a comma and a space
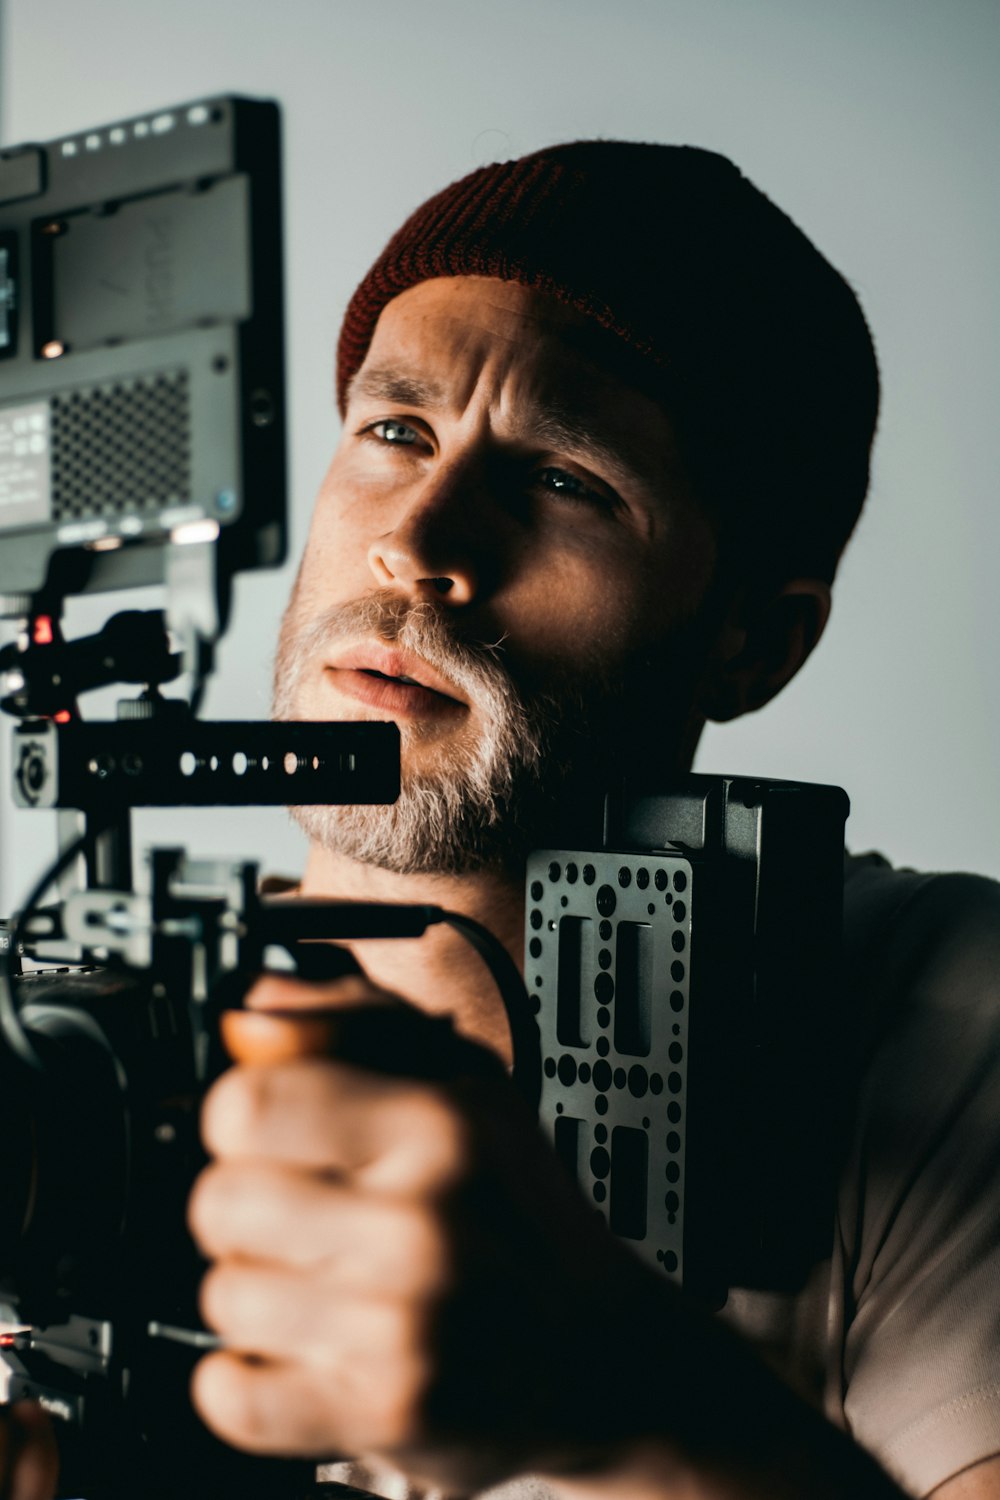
400, 1263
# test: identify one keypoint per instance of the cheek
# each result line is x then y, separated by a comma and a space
335, 559
612, 614
588, 604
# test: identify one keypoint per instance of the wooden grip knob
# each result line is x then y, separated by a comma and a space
264, 1038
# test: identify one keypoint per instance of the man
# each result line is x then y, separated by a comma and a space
607, 418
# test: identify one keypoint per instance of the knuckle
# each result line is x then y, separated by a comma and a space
224, 1398
224, 1111
238, 1108
207, 1292
200, 1206
215, 1204
221, 1295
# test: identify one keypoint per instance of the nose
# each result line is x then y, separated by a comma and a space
439, 549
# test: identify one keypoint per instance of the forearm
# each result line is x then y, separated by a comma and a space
695, 1415
806, 1459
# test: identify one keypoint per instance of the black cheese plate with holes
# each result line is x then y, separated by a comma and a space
608, 960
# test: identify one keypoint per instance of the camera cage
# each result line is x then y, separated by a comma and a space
142, 441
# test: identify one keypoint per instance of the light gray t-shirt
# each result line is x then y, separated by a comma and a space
913, 1340
897, 1335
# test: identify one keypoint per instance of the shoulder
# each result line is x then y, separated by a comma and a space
914, 940
919, 1230
922, 973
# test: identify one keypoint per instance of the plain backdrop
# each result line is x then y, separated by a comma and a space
873, 122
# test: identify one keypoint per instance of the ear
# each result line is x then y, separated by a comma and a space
763, 642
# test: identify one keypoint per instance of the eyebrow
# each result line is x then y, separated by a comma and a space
386, 384
562, 427
556, 424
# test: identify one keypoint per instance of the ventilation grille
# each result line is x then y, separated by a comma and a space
122, 448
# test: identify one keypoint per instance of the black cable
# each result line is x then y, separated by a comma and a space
525, 1037
11, 1028
331, 920
312, 920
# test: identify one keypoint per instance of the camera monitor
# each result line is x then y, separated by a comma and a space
141, 387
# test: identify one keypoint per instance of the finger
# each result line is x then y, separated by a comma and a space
394, 1136
33, 1455
281, 1312
362, 1242
284, 1407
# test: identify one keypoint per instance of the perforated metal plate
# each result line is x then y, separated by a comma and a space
608, 940
122, 447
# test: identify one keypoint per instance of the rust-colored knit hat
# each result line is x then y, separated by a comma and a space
721, 306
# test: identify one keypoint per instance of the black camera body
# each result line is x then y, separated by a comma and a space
101, 1147
687, 979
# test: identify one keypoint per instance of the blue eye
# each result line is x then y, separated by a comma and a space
570, 486
396, 433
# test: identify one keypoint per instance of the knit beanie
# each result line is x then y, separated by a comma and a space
712, 300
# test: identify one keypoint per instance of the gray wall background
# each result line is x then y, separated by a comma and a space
873, 122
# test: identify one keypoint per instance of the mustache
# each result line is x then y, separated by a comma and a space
423, 628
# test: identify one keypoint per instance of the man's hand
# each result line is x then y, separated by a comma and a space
29, 1462
403, 1270
382, 1274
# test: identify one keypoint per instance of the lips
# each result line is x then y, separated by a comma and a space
394, 681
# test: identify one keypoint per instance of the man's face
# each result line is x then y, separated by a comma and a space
504, 559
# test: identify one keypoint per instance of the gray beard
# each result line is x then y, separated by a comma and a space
488, 799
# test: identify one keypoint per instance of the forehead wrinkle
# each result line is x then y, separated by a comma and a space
532, 412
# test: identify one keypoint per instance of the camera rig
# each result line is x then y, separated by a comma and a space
142, 441
683, 1032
